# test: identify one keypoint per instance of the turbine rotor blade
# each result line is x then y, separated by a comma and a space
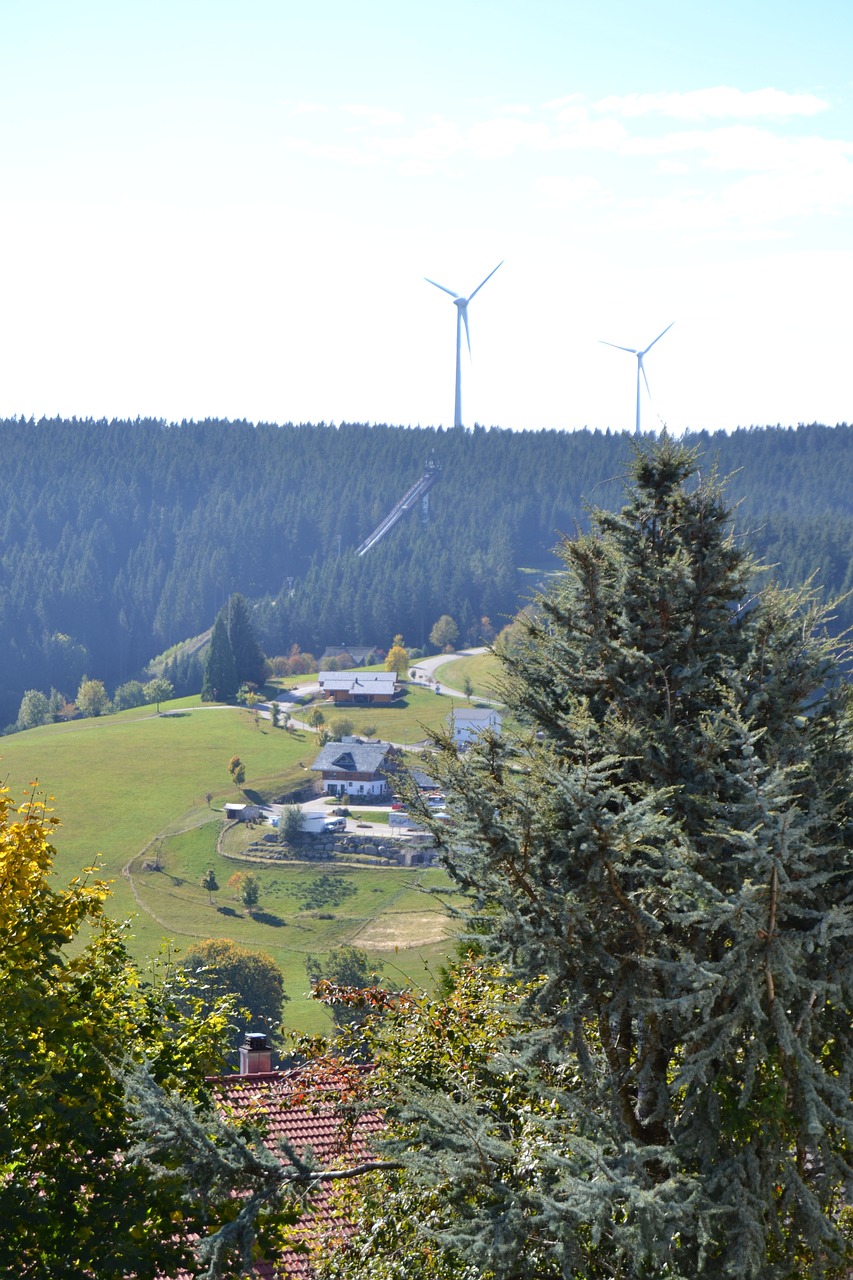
482, 282
645, 379
633, 350
658, 338
464, 311
442, 287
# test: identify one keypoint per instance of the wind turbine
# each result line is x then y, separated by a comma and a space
461, 305
640, 366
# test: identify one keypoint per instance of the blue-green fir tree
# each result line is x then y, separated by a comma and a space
661, 859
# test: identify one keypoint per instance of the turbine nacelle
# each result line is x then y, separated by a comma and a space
461, 304
641, 368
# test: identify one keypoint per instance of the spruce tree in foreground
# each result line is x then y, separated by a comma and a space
665, 859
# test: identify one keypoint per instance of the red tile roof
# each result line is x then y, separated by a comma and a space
316, 1107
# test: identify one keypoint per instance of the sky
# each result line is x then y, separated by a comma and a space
228, 210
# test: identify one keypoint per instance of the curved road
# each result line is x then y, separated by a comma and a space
425, 668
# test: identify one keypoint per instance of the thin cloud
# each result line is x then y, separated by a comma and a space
737, 165
375, 116
353, 155
308, 108
555, 193
716, 103
746, 148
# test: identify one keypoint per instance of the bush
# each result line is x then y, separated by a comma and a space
290, 824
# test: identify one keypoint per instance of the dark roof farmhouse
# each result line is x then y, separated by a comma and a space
356, 768
361, 654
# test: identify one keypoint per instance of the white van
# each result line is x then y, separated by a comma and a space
318, 823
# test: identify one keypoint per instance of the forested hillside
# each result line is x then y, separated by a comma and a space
122, 538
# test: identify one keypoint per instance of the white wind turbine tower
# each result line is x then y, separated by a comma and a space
461, 305
640, 366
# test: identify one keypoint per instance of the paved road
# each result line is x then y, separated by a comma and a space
425, 669
424, 674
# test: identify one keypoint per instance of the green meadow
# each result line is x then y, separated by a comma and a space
130, 791
482, 669
304, 909
407, 721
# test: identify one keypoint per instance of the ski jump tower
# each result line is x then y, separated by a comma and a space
418, 492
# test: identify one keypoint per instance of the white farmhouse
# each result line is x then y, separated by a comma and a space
467, 723
356, 769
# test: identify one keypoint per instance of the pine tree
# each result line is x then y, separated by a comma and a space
664, 859
220, 672
248, 655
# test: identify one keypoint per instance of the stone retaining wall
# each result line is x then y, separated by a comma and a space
406, 852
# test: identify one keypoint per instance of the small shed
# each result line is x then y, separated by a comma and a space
243, 812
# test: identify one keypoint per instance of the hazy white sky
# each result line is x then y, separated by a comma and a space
223, 209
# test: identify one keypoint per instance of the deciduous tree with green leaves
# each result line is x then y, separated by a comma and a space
250, 892
251, 977
127, 695
92, 698
73, 1013
158, 690
444, 633
210, 883
347, 967
664, 861
34, 710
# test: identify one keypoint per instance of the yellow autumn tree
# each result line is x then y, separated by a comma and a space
72, 1203
398, 658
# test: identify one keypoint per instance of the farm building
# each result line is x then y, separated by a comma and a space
242, 812
468, 723
361, 655
355, 768
360, 688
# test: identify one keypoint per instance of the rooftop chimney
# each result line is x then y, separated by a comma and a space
255, 1054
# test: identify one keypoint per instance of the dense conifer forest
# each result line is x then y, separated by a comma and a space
122, 538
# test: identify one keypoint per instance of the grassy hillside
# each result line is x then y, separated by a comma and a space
404, 722
483, 670
130, 792
304, 909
